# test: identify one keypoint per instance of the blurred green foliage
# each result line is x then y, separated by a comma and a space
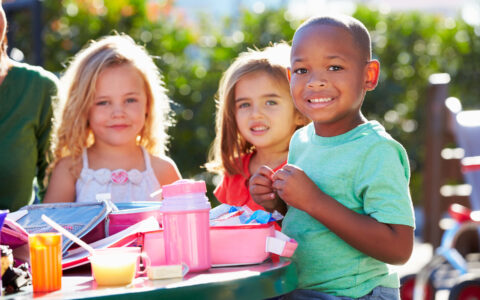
192, 57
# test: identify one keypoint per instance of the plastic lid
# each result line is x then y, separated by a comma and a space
183, 195
184, 186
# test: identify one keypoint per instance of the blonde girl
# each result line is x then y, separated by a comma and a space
111, 126
254, 122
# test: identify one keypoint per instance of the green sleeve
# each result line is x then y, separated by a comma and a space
43, 134
384, 184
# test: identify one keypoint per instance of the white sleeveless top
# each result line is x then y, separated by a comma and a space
124, 186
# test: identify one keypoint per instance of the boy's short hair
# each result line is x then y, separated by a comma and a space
359, 32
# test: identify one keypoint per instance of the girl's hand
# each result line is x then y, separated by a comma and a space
262, 192
295, 187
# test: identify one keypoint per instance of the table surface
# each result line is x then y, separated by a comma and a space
259, 281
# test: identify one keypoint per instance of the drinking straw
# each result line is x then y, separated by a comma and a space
154, 194
68, 234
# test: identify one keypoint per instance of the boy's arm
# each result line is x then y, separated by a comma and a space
260, 187
389, 243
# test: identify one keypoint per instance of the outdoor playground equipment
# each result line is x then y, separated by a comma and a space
448, 269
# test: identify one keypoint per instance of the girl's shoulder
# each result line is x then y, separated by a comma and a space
61, 187
70, 165
165, 169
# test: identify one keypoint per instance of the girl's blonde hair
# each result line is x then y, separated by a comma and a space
3, 49
4, 63
77, 91
229, 145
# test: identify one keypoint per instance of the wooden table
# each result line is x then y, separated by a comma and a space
265, 280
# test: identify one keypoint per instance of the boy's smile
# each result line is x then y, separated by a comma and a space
329, 78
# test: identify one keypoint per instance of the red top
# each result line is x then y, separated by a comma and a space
233, 190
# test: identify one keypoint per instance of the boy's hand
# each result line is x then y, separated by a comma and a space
390, 243
295, 187
261, 190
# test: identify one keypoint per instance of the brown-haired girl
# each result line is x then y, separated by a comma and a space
254, 122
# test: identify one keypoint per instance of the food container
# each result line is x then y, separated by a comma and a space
185, 210
154, 246
230, 245
240, 244
130, 213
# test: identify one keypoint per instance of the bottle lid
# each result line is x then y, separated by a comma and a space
184, 186
184, 195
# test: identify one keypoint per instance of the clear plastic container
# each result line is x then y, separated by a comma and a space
185, 210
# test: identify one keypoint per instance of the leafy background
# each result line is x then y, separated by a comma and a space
192, 56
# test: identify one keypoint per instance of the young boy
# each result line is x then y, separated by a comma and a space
346, 181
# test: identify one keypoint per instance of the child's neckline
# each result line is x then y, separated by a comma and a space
344, 137
253, 155
248, 158
146, 159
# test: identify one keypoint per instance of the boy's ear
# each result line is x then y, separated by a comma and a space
289, 74
373, 71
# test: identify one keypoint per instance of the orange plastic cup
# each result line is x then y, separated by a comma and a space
46, 261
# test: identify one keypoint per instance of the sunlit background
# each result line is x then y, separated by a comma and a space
194, 41
301, 9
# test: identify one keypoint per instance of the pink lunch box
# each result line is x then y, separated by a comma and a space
242, 244
153, 244
130, 213
248, 244
230, 245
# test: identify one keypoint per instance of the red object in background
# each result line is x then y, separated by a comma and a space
466, 290
459, 213
407, 284
470, 164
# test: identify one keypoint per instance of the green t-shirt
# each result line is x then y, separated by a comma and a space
25, 126
368, 172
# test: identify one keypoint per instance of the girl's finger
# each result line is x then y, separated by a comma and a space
259, 179
290, 168
278, 185
265, 171
260, 189
260, 198
280, 175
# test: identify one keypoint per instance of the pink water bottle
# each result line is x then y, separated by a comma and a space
185, 210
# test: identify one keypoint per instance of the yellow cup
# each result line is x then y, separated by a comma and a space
117, 266
46, 261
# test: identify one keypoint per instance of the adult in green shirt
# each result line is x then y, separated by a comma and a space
25, 123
